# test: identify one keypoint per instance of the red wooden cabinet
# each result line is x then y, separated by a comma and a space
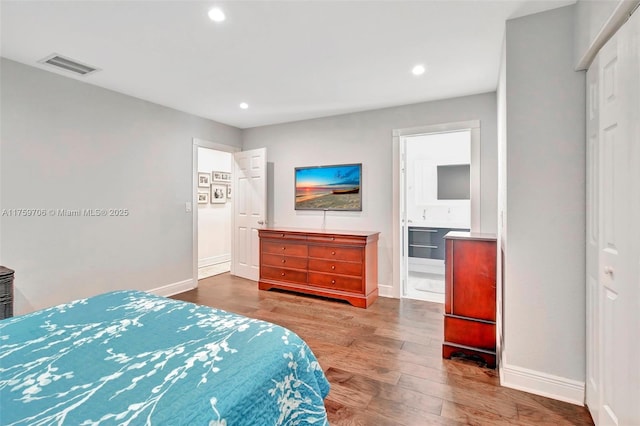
342, 265
470, 296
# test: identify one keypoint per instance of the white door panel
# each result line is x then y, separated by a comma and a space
250, 207
593, 384
613, 292
608, 140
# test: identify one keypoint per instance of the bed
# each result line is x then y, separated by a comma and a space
132, 358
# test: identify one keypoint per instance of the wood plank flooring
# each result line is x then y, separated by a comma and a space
385, 363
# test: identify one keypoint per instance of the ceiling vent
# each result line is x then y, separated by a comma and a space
68, 64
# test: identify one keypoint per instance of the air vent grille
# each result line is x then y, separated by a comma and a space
68, 64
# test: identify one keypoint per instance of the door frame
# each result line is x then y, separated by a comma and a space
201, 143
397, 216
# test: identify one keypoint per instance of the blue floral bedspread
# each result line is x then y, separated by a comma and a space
132, 358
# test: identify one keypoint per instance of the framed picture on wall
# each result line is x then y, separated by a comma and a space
203, 197
228, 191
204, 179
218, 194
221, 177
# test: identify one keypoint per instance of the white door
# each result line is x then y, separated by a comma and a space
619, 247
250, 210
592, 238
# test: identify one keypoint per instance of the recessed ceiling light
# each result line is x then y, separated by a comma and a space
216, 14
244, 105
418, 70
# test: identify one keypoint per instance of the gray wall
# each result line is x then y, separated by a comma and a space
71, 145
544, 295
366, 138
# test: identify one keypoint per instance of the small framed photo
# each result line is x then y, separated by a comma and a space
203, 197
221, 177
218, 194
228, 191
204, 179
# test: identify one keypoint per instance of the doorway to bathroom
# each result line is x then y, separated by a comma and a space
435, 195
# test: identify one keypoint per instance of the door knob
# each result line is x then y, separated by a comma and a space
608, 270
261, 222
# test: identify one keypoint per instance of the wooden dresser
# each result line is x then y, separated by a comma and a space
337, 264
470, 296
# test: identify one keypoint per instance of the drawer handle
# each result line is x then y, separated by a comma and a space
284, 248
282, 235
282, 274
333, 281
333, 238
333, 266
333, 253
284, 260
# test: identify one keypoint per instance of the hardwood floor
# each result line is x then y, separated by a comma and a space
385, 363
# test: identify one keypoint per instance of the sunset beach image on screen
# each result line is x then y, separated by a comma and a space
334, 187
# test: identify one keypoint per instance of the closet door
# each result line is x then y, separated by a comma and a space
592, 237
617, 347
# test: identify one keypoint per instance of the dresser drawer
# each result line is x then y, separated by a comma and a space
284, 248
471, 333
279, 235
282, 274
336, 239
333, 267
349, 254
284, 261
336, 282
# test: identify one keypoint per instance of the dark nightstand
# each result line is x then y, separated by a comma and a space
6, 292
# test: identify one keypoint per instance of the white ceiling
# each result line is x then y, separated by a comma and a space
290, 60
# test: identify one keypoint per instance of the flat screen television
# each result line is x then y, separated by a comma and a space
335, 187
454, 182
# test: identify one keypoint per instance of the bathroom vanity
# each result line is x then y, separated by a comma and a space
428, 242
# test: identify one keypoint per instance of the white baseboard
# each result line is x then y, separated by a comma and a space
175, 288
214, 260
385, 291
540, 383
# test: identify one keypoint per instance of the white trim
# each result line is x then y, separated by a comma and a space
539, 383
385, 291
620, 15
214, 260
437, 128
216, 146
396, 226
175, 288
194, 196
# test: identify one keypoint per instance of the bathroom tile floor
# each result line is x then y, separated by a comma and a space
425, 286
